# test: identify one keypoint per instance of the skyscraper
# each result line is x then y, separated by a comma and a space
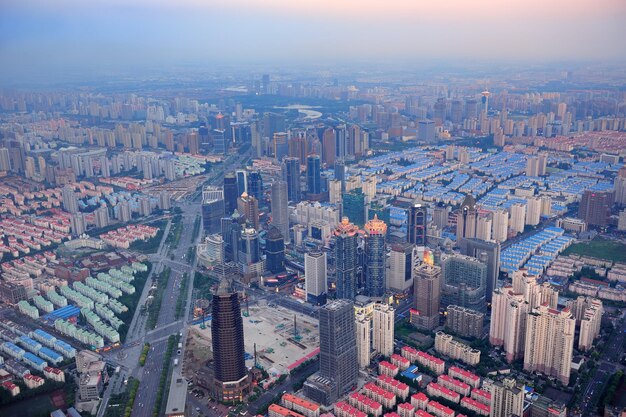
291, 175
550, 342
466, 219
231, 192
375, 255
274, 251
212, 209
509, 311
416, 224
338, 350
400, 267
426, 131
464, 282
487, 252
363, 326
255, 186
507, 398
383, 322
230, 372
248, 207
280, 209
346, 259
313, 175
249, 250
427, 284
315, 277
595, 207
354, 206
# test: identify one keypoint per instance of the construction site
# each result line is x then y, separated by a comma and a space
275, 337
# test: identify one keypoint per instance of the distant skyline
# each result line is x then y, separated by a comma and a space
50, 39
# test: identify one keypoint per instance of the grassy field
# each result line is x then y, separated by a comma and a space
599, 248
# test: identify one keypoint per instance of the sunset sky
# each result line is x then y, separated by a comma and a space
88, 34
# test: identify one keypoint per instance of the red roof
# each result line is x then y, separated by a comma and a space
466, 374
422, 413
482, 393
456, 382
420, 396
443, 389
475, 404
440, 407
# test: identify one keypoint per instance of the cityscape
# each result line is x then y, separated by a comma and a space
256, 218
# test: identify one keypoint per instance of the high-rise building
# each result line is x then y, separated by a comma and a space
248, 207
426, 131
427, 285
509, 311
242, 181
363, 327
507, 398
231, 192
464, 282
346, 259
274, 251
255, 186
249, 250
484, 225
620, 187
280, 145
464, 322
328, 146
536, 165
70, 202
517, 219
375, 255
231, 381
212, 209
416, 224
220, 142
298, 146
291, 175
77, 224
534, 294
400, 267
313, 175
315, 277
280, 208
500, 225
487, 252
383, 321
466, 219
588, 314
353, 203
595, 207
338, 359
549, 342
102, 216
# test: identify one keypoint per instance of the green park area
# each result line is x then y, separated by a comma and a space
599, 248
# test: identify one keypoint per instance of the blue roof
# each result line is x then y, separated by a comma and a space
43, 334
64, 313
51, 353
34, 359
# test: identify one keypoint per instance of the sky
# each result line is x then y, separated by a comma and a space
55, 37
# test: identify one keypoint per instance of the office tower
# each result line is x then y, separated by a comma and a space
291, 175
274, 251
248, 207
212, 209
439, 110
70, 202
230, 373
466, 219
375, 254
346, 259
341, 142
77, 224
588, 314
255, 186
5, 161
273, 123
102, 216
508, 322
249, 251
441, 213
340, 173
464, 282
363, 327
488, 252
380, 210
164, 200
220, 142
328, 146
280, 208
230, 192
595, 207
549, 342
426, 131
313, 175
427, 284
456, 111
517, 220
485, 101
464, 321
353, 203
507, 398
383, 321
416, 224
315, 277
500, 225
400, 267
242, 181
232, 227
620, 187
338, 356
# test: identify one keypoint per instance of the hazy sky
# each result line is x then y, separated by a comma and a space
67, 36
